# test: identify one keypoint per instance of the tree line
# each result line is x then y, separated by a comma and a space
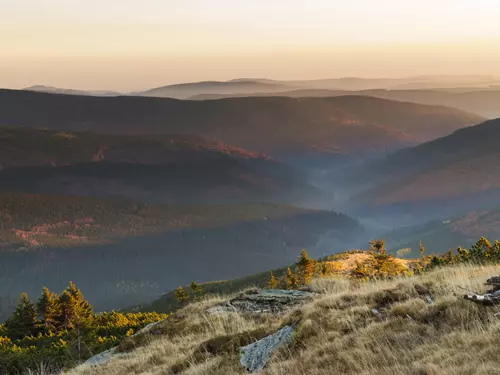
61, 330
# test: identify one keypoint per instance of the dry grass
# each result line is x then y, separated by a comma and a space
338, 332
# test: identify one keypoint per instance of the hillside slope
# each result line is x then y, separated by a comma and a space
164, 168
58, 90
124, 252
439, 235
371, 328
186, 90
457, 172
482, 102
276, 126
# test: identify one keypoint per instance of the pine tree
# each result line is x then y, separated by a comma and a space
49, 308
272, 283
307, 267
69, 310
379, 264
421, 250
292, 279
23, 321
180, 295
84, 310
326, 269
196, 291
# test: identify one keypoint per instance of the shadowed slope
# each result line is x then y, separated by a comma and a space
457, 172
166, 168
123, 252
277, 126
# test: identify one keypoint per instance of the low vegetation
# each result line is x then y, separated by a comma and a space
378, 315
62, 330
414, 324
122, 253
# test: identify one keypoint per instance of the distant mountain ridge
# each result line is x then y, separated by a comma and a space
455, 173
186, 90
159, 168
57, 90
482, 101
275, 126
242, 86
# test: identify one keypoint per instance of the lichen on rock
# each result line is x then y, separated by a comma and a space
256, 355
272, 301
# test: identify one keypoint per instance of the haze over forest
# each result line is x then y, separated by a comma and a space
157, 148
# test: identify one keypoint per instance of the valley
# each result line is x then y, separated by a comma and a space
149, 193
249, 187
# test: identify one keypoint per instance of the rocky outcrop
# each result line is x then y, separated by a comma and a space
104, 357
101, 358
272, 301
491, 297
256, 355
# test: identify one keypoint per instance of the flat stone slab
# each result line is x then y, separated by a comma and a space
272, 301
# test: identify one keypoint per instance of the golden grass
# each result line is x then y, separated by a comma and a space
338, 332
349, 262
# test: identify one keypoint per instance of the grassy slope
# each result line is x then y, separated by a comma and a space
167, 303
338, 333
343, 263
271, 125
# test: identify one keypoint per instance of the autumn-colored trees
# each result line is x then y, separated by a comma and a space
482, 252
61, 330
49, 309
272, 282
379, 263
195, 293
305, 269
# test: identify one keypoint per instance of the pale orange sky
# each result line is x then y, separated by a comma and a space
137, 44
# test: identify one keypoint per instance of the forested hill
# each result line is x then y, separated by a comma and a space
272, 125
155, 168
124, 252
450, 175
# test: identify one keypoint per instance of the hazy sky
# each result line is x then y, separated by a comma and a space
136, 44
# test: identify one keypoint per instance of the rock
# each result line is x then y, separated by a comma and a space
104, 357
255, 356
485, 299
101, 358
222, 309
495, 280
378, 314
272, 301
147, 328
490, 297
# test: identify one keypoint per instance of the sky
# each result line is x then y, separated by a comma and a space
131, 45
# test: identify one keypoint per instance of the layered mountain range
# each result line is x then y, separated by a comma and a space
147, 193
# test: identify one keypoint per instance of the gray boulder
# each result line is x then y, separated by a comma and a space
255, 356
101, 358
